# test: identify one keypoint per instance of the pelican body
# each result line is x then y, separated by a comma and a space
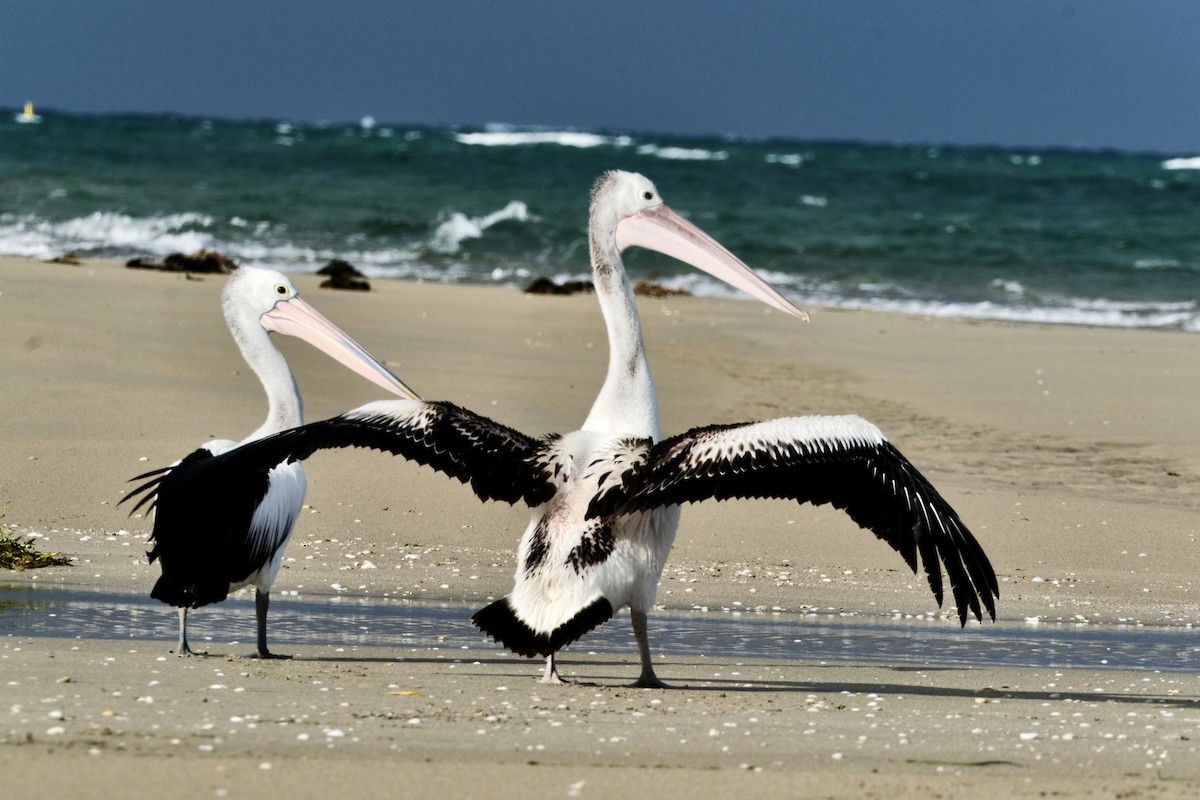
605, 500
223, 534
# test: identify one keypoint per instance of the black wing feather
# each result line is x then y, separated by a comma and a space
497, 461
199, 539
866, 477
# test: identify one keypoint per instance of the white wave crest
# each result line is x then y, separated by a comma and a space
1074, 311
682, 153
561, 138
1014, 288
1182, 163
1183, 316
1160, 263
450, 234
787, 159
27, 235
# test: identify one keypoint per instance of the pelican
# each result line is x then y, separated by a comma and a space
227, 532
605, 500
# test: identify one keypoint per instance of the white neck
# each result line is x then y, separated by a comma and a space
284, 407
626, 404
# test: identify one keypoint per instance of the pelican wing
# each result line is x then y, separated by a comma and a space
845, 461
198, 530
499, 463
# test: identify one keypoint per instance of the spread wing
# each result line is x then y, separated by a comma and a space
499, 463
845, 461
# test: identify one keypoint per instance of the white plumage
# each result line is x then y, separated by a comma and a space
218, 534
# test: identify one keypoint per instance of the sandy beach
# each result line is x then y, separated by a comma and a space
1072, 453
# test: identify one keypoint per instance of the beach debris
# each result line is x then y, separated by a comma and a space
645, 288
66, 258
648, 288
343, 275
21, 554
548, 286
203, 261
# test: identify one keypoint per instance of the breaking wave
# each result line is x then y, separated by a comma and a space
505, 138
449, 236
104, 233
1182, 163
682, 153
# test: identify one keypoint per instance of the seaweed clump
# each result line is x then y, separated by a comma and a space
21, 554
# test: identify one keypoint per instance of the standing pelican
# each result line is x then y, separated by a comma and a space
229, 531
605, 499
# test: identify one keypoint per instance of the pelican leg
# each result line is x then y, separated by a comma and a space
262, 601
647, 680
182, 648
551, 673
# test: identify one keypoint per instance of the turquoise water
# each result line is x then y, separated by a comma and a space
1100, 238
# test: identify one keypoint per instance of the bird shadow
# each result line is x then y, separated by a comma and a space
598, 673
585, 676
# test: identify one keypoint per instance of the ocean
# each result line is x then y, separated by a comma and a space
1100, 238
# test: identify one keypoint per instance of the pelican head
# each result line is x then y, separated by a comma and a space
628, 211
268, 300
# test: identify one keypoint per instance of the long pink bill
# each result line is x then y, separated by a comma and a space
661, 229
295, 317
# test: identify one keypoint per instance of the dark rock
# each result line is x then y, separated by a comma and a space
339, 267
547, 286
201, 261
346, 282
206, 261
343, 275
144, 263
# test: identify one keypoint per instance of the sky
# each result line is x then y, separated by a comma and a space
1017, 73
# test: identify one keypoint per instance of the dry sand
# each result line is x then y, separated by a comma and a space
1073, 454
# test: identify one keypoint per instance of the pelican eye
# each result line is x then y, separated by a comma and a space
647, 195
281, 289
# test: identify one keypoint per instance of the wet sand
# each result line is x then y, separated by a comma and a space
1072, 453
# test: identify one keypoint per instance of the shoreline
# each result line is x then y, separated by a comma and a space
1072, 453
